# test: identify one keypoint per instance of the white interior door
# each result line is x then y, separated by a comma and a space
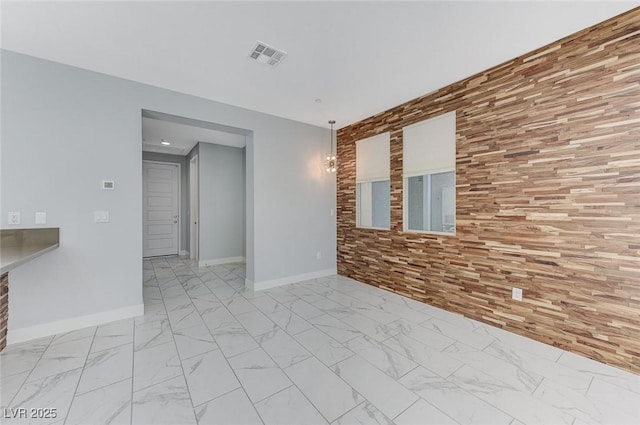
160, 185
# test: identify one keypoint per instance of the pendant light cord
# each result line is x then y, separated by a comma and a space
332, 122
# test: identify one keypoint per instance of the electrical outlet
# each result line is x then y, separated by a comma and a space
14, 218
516, 294
41, 218
101, 216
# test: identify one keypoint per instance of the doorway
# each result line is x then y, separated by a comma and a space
160, 207
214, 225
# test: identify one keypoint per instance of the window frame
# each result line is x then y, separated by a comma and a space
405, 203
374, 177
360, 226
429, 172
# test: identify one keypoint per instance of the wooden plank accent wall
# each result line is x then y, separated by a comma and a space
547, 192
4, 309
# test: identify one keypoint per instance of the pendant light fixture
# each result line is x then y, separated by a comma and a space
332, 161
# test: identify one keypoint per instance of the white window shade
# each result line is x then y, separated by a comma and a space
429, 145
372, 158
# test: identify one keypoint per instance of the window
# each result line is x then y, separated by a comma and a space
372, 182
429, 160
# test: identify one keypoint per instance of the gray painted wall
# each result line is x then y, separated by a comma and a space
65, 129
222, 198
184, 190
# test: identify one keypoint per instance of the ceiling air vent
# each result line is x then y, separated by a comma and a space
264, 53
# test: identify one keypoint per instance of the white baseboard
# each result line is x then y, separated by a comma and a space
266, 284
60, 326
184, 252
217, 261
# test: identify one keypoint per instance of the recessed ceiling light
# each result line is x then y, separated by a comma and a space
318, 100
164, 142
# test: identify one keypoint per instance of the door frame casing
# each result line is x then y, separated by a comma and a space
179, 202
194, 200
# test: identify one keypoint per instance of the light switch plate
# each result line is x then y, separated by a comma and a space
41, 218
516, 294
14, 218
101, 216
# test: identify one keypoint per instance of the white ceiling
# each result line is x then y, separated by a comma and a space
182, 137
360, 58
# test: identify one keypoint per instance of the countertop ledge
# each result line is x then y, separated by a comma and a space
19, 246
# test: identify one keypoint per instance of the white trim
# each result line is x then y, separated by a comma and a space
184, 252
179, 202
405, 206
359, 204
375, 180
266, 284
194, 207
60, 326
217, 261
430, 232
427, 172
373, 228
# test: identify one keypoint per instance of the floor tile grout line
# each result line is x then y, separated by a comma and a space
215, 398
274, 394
50, 345
506, 362
84, 365
279, 391
133, 371
228, 365
282, 369
101, 387
337, 318
176, 266
307, 398
475, 396
26, 379
446, 378
133, 360
453, 373
184, 375
110, 348
408, 407
442, 411
586, 393
157, 382
364, 402
406, 373
530, 394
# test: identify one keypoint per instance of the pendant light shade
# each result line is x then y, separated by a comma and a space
332, 161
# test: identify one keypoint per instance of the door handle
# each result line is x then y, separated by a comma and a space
175, 221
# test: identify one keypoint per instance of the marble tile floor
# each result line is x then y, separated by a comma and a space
329, 350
